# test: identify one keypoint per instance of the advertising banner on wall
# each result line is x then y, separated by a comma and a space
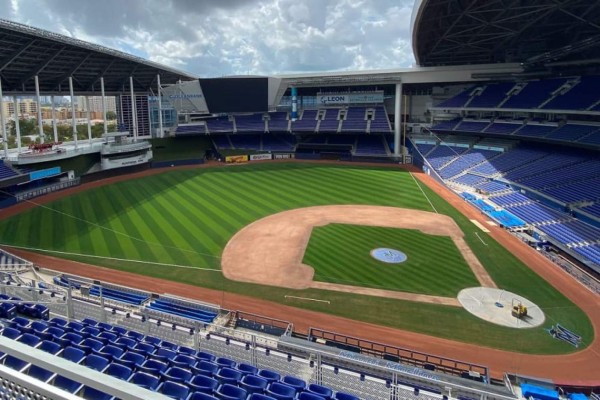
284, 156
257, 157
236, 159
350, 98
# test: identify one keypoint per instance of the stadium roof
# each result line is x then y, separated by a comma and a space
533, 32
26, 51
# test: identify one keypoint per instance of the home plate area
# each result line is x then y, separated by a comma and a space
501, 307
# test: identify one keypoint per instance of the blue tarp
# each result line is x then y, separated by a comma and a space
538, 392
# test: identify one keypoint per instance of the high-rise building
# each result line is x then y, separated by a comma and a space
95, 103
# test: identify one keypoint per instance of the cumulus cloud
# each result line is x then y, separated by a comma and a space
236, 37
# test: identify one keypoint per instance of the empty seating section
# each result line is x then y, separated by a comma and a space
186, 310
535, 213
307, 123
279, 122
571, 132
581, 96
129, 297
219, 124
572, 232
459, 100
593, 138
572, 173
250, 123
491, 186
355, 120
249, 142
502, 128
221, 141
342, 139
330, 122
548, 163
534, 93
586, 190
509, 160
469, 180
491, 96
591, 252
465, 161
6, 171
425, 148
511, 199
190, 129
446, 125
443, 154
535, 130
380, 122
593, 209
472, 126
279, 142
370, 145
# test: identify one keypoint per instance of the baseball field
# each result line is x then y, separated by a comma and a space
176, 224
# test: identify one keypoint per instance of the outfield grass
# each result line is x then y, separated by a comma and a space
340, 253
187, 217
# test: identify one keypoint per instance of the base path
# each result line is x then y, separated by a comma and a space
577, 368
273, 247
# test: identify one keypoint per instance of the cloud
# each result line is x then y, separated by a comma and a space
233, 37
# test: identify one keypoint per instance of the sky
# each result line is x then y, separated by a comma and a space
213, 38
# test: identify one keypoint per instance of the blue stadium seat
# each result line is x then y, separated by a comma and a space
152, 340
135, 335
39, 326
56, 321
309, 396
89, 345
281, 391
75, 326
119, 371
228, 375
73, 354
55, 331
145, 380
230, 392
204, 384
40, 373
119, 330
345, 396
104, 326
146, 348
73, 338
130, 359
153, 367
96, 362
11, 333
110, 351
125, 341
106, 337
14, 363
320, 390
205, 356
187, 351
163, 354
253, 384
29, 339
89, 322
294, 382
205, 368
174, 390
201, 396
247, 369
269, 375
67, 384
259, 396
49, 347
93, 394
21, 321
177, 374
182, 361
225, 362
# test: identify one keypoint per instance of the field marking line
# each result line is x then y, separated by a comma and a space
422, 191
479, 237
107, 258
307, 298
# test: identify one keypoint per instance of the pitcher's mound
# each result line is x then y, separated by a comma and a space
495, 306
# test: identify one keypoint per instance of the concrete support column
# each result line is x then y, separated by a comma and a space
17, 124
3, 122
397, 118
39, 109
103, 105
160, 119
54, 127
73, 124
133, 110
89, 118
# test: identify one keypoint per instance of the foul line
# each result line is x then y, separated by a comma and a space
106, 258
420, 188
307, 298
479, 237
